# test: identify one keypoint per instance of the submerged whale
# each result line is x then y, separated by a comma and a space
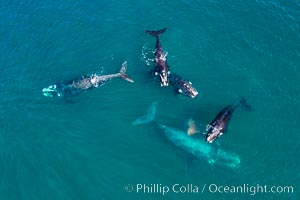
78, 86
201, 149
190, 144
161, 67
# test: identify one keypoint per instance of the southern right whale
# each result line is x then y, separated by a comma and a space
75, 87
161, 67
219, 125
192, 145
201, 149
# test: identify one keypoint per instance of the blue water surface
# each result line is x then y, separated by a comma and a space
89, 149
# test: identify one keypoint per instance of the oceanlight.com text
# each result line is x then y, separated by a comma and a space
250, 189
164, 189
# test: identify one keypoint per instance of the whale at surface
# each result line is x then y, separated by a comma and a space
78, 86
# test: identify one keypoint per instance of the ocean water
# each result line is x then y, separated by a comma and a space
89, 149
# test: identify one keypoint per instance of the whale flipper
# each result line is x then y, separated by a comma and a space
156, 33
192, 128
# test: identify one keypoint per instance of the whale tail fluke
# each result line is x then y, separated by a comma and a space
123, 74
245, 105
156, 33
149, 117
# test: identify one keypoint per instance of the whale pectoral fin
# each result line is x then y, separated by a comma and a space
192, 128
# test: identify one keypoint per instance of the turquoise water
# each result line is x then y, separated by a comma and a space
51, 149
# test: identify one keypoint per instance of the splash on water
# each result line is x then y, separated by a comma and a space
147, 55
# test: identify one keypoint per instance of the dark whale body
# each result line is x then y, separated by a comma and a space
220, 123
161, 67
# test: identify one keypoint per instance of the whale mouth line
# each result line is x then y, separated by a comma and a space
190, 92
213, 135
194, 94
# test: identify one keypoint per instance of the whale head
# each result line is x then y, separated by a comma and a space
188, 90
52, 91
163, 78
213, 133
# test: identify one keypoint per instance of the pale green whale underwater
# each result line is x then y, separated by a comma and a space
192, 145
